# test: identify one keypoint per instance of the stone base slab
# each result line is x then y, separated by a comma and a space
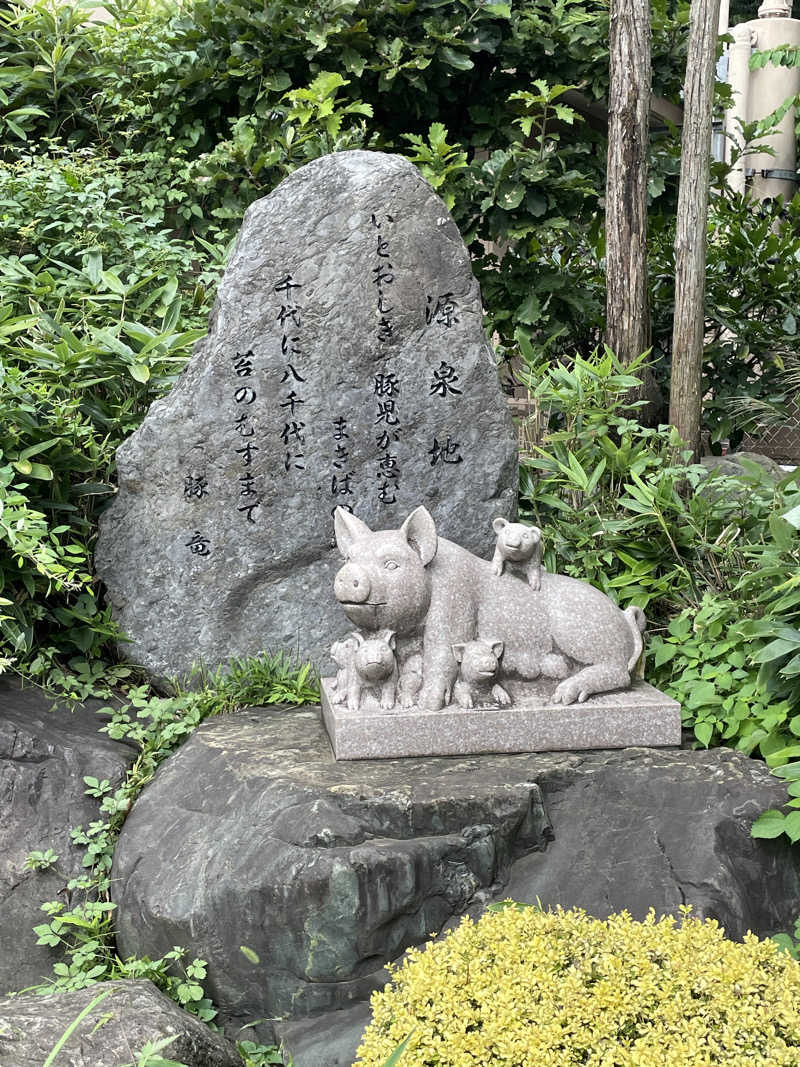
637, 717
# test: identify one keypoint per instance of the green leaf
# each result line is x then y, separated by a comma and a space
777, 650
353, 61
113, 282
249, 954
771, 824
790, 772
529, 310
139, 371
664, 653
793, 517
41, 471
701, 694
510, 196
785, 944
394, 1059
455, 59
792, 826
42, 446
703, 731
93, 266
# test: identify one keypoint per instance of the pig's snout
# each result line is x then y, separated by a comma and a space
351, 585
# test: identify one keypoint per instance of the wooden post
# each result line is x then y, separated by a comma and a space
685, 398
627, 303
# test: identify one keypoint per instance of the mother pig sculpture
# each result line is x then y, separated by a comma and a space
413, 582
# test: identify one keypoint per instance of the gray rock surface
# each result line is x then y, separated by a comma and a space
44, 756
327, 870
731, 465
264, 841
111, 1034
641, 829
346, 364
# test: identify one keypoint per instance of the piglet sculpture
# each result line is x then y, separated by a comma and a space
420, 585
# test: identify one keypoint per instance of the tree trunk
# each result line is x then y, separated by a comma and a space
627, 304
685, 399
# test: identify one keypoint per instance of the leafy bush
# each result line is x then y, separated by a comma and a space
526, 986
618, 503
713, 560
752, 278
92, 295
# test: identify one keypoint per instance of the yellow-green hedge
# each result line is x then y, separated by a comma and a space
526, 988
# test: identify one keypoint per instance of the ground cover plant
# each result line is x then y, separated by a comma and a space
522, 985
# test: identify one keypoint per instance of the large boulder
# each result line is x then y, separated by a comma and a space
643, 829
296, 877
346, 364
44, 756
323, 871
125, 1017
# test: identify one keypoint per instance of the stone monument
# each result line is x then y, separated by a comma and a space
454, 654
345, 365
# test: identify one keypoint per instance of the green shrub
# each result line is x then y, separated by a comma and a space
714, 561
752, 278
99, 308
619, 504
526, 986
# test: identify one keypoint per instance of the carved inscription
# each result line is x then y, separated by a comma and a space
290, 321
443, 387
386, 385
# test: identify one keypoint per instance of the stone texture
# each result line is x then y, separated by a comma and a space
638, 829
731, 465
111, 1034
327, 1040
264, 841
44, 756
640, 716
341, 403
327, 870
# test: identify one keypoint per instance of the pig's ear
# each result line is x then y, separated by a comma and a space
348, 529
419, 530
389, 637
458, 652
499, 523
497, 647
357, 637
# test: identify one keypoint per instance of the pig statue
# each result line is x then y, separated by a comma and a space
417, 584
479, 666
374, 667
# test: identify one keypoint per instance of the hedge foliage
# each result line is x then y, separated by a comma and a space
524, 986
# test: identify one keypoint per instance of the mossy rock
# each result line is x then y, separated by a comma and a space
524, 986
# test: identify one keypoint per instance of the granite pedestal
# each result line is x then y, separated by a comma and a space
639, 716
